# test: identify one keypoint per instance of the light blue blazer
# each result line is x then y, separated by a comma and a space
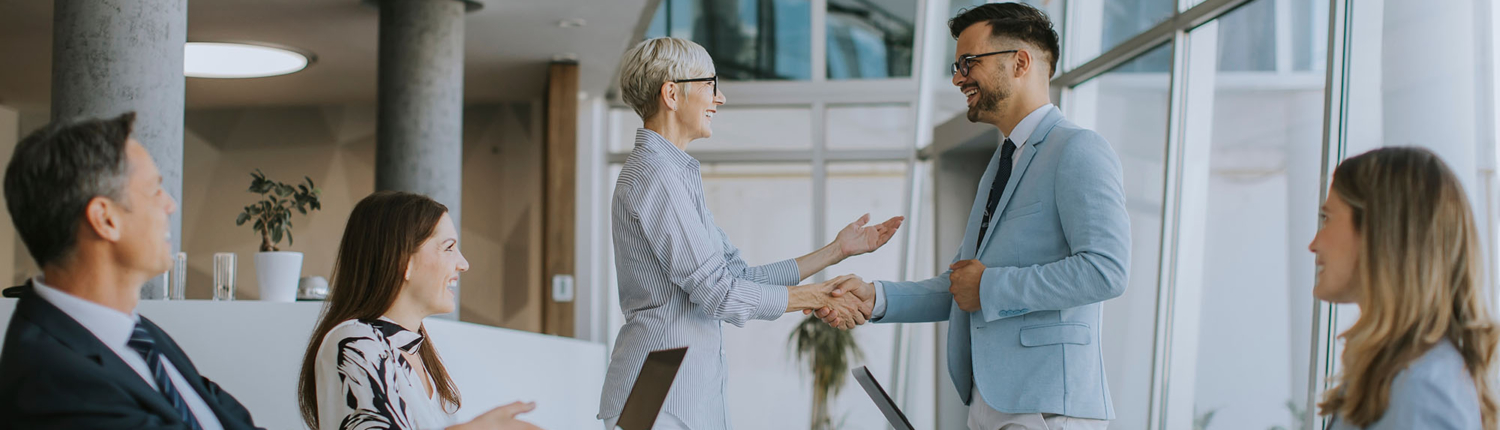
1060, 246
1435, 392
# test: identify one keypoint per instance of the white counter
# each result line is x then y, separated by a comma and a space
254, 350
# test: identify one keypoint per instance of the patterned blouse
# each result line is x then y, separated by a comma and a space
363, 383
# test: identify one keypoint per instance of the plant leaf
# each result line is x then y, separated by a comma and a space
240, 220
276, 235
288, 234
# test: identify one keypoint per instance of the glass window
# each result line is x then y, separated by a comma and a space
854, 189
1264, 132
757, 128
1096, 26
765, 375
749, 39
870, 39
1129, 107
870, 127
734, 129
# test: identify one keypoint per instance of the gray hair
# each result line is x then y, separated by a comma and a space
53, 175
652, 63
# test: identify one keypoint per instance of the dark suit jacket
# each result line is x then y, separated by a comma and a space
54, 374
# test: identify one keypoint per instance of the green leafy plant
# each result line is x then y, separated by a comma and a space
1299, 416
1201, 421
827, 352
273, 213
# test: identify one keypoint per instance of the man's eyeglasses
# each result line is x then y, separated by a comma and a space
712, 80
967, 61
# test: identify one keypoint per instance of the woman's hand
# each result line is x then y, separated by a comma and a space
856, 238
501, 418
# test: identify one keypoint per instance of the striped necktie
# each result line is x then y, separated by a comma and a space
142, 342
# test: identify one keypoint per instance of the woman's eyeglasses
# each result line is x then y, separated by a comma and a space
712, 80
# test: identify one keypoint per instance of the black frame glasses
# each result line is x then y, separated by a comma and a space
965, 62
713, 80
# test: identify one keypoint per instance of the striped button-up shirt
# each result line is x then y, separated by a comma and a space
679, 278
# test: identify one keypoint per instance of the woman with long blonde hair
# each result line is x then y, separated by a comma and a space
1398, 239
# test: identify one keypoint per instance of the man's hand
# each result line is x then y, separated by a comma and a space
964, 283
856, 239
856, 288
847, 311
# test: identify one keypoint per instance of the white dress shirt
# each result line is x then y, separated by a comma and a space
981, 415
113, 328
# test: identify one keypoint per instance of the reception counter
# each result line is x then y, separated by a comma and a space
254, 350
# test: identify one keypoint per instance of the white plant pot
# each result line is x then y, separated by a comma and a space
278, 273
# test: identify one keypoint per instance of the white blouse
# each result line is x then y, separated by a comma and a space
364, 383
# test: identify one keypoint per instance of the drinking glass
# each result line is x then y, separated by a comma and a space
224, 276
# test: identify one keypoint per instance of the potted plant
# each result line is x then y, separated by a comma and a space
827, 352
277, 270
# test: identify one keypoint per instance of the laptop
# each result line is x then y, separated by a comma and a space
650, 389
882, 400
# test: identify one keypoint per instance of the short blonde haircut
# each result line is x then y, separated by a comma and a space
652, 63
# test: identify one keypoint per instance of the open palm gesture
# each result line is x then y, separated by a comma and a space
856, 238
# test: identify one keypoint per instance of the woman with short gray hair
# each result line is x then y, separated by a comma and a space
679, 276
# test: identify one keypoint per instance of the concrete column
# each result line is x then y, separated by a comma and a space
1434, 104
419, 129
113, 56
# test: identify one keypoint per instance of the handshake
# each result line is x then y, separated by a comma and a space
842, 302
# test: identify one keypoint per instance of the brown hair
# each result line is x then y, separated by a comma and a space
1419, 273
384, 231
1017, 21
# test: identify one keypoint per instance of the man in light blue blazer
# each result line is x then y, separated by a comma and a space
1047, 240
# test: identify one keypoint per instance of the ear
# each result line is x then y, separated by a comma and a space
1024, 63
407, 276
669, 95
102, 217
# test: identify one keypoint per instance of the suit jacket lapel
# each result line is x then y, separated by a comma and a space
1038, 137
185, 367
976, 211
72, 334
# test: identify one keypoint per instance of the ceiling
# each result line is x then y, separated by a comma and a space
508, 45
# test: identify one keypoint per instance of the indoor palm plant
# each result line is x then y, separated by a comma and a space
276, 270
827, 351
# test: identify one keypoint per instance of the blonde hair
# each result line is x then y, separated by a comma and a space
654, 62
1419, 274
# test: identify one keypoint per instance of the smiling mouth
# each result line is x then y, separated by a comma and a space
971, 94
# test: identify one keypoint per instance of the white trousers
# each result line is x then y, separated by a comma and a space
983, 417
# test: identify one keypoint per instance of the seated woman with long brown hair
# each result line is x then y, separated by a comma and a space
1398, 239
370, 364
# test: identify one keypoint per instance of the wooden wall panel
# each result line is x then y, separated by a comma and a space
561, 168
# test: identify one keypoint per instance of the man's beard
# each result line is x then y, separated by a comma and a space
988, 101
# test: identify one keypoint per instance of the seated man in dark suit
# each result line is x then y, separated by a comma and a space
88, 202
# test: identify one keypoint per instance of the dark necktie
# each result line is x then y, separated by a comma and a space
1002, 176
142, 343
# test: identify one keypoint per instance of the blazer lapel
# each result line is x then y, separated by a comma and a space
976, 211
72, 334
1038, 137
185, 367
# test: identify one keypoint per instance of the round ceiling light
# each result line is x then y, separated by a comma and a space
239, 60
